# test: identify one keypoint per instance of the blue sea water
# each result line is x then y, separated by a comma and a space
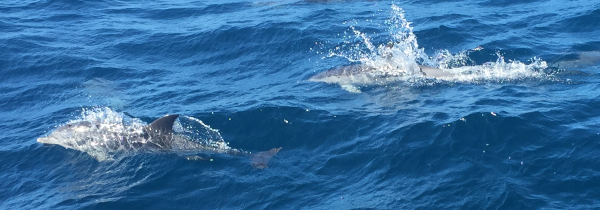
516, 135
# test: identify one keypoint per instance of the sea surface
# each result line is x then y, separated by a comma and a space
517, 128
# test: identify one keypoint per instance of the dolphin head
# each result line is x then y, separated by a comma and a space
61, 135
48, 140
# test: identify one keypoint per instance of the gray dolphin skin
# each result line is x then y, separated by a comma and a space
97, 140
349, 76
434, 72
584, 60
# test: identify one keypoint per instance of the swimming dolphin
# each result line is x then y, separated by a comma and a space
587, 59
349, 76
98, 140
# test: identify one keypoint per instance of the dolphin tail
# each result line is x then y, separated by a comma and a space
260, 160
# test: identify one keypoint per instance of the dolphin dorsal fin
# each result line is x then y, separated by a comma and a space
164, 125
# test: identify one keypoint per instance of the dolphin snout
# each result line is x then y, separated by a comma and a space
47, 140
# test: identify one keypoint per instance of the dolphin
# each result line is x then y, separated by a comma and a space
99, 140
350, 75
582, 60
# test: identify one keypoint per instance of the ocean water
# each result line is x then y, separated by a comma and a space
517, 127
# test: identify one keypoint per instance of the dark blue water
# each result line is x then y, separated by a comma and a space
502, 142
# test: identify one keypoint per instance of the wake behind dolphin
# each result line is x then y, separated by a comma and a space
103, 133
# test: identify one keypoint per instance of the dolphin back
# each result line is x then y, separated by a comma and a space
434, 72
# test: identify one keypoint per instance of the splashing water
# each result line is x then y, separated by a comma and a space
111, 120
195, 130
401, 56
500, 71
